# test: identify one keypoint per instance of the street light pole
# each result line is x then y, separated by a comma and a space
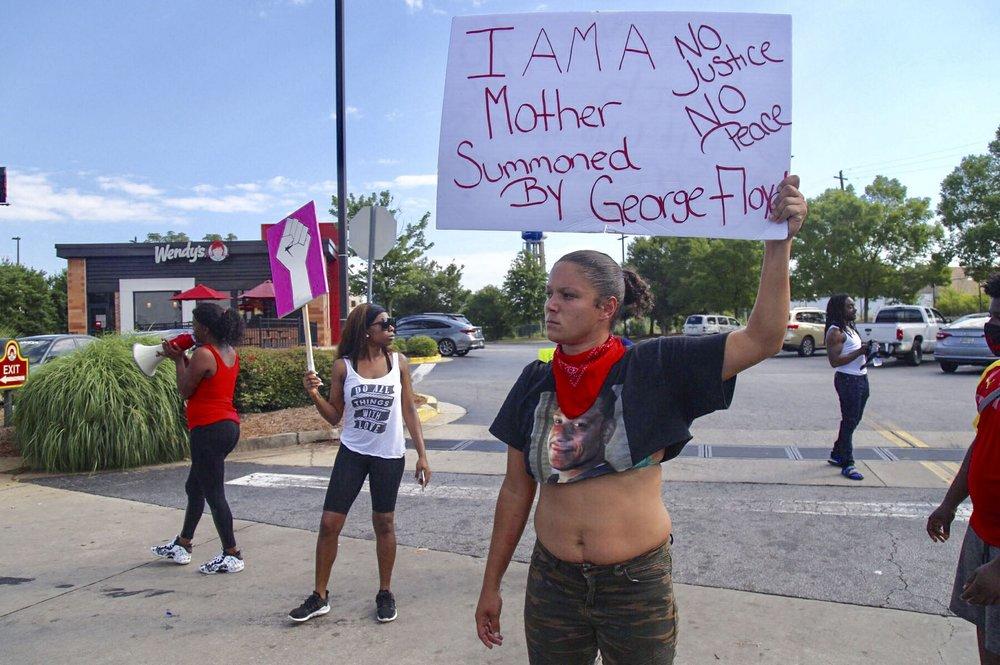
17, 240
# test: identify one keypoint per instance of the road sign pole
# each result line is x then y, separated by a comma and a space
8, 408
342, 231
371, 251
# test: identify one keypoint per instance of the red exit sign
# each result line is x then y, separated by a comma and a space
13, 366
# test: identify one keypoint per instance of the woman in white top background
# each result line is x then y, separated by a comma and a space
847, 354
371, 390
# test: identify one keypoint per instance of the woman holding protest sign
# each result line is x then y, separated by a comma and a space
207, 381
377, 388
600, 574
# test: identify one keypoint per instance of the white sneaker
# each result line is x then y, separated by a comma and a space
172, 550
223, 563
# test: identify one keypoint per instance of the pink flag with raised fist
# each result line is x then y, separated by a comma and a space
298, 271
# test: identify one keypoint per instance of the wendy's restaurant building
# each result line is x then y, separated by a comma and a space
126, 287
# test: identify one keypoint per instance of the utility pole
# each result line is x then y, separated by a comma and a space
841, 178
623, 248
342, 231
17, 240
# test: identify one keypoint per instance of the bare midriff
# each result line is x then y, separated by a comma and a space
603, 520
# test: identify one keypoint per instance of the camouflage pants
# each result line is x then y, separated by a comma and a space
625, 610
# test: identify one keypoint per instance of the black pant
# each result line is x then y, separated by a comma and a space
210, 444
853, 393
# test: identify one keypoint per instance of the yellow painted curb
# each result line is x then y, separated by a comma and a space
427, 411
421, 360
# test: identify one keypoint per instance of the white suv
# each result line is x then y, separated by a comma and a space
710, 324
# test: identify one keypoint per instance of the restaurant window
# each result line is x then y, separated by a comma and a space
154, 310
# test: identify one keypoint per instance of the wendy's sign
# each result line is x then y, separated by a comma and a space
654, 123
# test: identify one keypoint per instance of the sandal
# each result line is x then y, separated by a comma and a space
852, 473
834, 460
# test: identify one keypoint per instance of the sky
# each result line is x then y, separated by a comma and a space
120, 118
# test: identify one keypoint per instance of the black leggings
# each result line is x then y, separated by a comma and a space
210, 444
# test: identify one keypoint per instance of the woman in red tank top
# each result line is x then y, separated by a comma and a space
207, 381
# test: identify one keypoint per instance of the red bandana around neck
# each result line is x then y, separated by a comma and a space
579, 378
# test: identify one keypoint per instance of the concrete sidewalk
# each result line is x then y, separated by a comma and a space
79, 586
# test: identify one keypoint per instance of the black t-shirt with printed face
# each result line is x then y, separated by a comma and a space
647, 404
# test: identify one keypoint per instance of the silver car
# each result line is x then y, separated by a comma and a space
454, 335
40, 349
963, 343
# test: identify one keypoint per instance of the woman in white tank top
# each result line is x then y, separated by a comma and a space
372, 394
847, 355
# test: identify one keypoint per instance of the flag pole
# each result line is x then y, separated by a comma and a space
310, 365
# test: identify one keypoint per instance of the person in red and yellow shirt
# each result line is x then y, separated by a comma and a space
976, 594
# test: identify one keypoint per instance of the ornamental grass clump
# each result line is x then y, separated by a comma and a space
94, 409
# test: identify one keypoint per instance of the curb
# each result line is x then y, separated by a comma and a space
288, 439
427, 411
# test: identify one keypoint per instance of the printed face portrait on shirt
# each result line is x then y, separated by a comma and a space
576, 445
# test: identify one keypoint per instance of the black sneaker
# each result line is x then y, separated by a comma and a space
386, 604
313, 607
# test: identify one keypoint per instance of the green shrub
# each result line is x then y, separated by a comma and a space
6, 332
421, 346
952, 303
271, 379
401, 346
95, 410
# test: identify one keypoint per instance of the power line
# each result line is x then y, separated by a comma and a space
943, 159
903, 159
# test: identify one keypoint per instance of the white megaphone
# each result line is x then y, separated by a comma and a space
148, 358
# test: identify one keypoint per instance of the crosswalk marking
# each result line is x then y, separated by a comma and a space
901, 509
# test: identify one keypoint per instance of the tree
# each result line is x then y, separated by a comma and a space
169, 236
880, 244
667, 263
397, 274
58, 293
436, 289
725, 274
524, 287
488, 307
25, 300
212, 237
970, 210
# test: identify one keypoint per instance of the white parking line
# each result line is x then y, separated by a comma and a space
918, 510
420, 372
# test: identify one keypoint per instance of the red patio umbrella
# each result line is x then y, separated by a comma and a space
201, 292
262, 291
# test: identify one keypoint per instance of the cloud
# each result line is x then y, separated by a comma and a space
414, 5
392, 116
127, 186
249, 202
405, 182
352, 112
204, 189
387, 161
35, 198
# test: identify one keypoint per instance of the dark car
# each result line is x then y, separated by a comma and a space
452, 332
40, 349
963, 343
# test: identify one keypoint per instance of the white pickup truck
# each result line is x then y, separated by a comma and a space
904, 331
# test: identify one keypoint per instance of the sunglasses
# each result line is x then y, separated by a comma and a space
385, 325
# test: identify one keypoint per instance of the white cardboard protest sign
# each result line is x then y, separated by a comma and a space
656, 123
